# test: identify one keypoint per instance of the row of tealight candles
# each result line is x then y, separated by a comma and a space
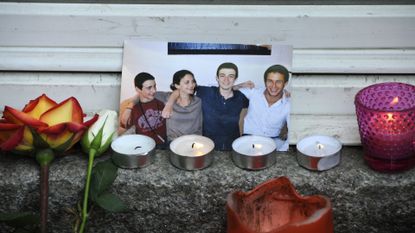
193, 152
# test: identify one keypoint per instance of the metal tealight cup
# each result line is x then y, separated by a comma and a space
133, 151
191, 152
253, 152
318, 152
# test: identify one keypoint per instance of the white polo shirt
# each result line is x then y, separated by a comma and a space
264, 120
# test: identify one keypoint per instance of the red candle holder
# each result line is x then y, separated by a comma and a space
275, 207
386, 117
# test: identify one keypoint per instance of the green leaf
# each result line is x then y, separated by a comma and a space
19, 219
111, 202
38, 141
96, 142
105, 146
102, 177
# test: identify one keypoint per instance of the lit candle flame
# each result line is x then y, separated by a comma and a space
390, 116
395, 101
320, 148
259, 146
196, 145
256, 149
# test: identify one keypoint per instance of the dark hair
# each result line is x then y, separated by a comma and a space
227, 65
178, 76
277, 69
141, 78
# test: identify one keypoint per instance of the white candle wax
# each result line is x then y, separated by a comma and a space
319, 146
319, 152
134, 144
192, 145
254, 145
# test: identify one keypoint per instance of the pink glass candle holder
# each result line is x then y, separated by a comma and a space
386, 117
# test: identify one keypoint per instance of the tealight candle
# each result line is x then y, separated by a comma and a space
258, 146
318, 152
253, 152
131, 151
191, 152
192, 145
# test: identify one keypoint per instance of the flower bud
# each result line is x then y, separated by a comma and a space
100, 135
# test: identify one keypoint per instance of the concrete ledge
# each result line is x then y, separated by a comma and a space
162, 198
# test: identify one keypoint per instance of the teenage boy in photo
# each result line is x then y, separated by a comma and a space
221, 107
145, 112
269, 107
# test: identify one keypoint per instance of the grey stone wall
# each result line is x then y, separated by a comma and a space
162, 198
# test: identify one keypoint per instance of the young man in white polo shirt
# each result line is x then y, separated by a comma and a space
269, 108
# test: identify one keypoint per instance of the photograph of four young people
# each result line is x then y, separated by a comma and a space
212, 111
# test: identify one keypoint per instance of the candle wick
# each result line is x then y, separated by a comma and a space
137, 147
193, 144
253, 145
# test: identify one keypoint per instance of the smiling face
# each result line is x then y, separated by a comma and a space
226, 78
187, 85
148, 91
275, 84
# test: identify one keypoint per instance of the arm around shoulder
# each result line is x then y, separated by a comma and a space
248, 84
168, 108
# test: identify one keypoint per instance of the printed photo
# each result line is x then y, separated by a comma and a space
221, 91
